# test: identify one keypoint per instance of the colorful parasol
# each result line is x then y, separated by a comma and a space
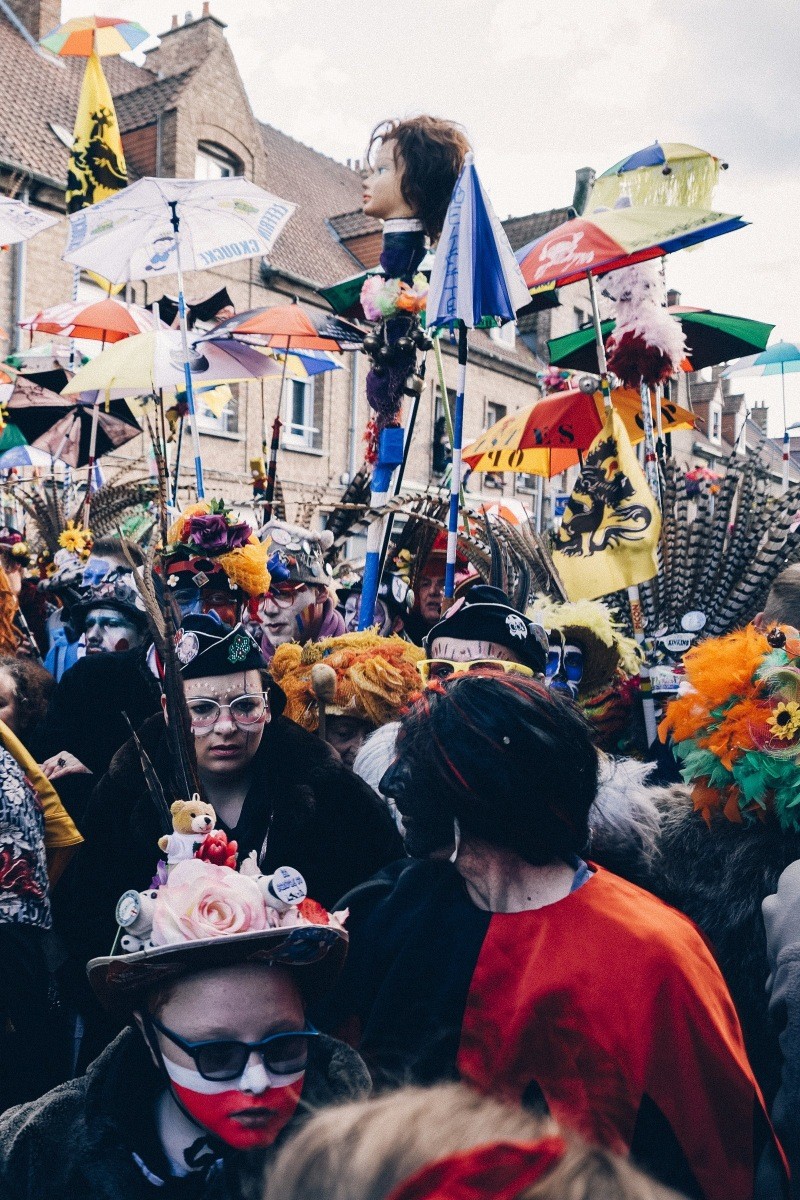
671, 173
81, 37
711, 338
545, 438
621, 237
781, 359
19, 222
101, 321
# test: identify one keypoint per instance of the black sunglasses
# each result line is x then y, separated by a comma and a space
281, 1053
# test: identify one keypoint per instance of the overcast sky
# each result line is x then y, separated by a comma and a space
545, 86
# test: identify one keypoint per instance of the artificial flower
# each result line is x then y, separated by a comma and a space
179, 527
76, 539
202, 900
784, 721
216, 848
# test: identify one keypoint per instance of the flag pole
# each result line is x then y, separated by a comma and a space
605, 387
448, 420
187, 369
455, 471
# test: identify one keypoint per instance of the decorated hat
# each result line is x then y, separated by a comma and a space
297, 555
736, 732
117, 590
207, 646
207, 540
200, 914
485, 615
14, 545
373, 677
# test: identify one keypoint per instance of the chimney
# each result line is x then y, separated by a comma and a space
673, 297
206, 10
758, 413
39, 17
584, 178
174, 24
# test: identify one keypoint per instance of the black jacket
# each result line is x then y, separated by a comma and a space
87, 717
78, 1141
304, 809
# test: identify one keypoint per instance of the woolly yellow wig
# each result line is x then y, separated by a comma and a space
375, 677
608, 653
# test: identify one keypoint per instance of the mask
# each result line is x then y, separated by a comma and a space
212, 1104
564, 669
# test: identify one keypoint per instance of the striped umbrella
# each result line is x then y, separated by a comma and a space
781, 359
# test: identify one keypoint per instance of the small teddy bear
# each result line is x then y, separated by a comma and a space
135, 915
192, 821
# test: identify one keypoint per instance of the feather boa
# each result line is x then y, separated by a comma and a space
647, 345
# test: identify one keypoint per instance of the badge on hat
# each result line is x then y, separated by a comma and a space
239, 648
516, 626
188, 647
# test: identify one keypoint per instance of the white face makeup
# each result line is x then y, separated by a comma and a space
225, 748
460, 650
108, 631
282, 622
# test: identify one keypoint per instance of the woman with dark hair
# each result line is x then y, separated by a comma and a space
503, 958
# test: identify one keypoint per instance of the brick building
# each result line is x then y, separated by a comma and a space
186, 113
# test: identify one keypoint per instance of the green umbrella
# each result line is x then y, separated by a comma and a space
711, 338
11, 437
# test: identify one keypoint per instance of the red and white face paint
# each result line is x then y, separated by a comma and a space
247, 1113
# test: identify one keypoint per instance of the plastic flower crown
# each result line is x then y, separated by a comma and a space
736, 734
383, 298
209, 530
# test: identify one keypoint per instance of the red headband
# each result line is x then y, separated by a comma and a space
498, 1171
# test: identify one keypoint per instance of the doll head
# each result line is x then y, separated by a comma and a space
414, 168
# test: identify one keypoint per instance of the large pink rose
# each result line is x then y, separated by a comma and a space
202, 900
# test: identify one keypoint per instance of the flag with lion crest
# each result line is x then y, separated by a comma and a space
608, 538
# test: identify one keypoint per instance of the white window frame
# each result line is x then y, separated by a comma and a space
715, 422
217, 426
214, 162
298, 436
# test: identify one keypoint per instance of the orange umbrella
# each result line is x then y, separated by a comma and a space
290, 327
101, 321
545, 438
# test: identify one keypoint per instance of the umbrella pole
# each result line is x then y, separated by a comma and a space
598, 338
177, 472
455, 479
786, 442
448, 420
272, 467
187, 370
87, 503
645, 689
650, 467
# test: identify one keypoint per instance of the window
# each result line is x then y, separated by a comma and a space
441, 454
209, 417
215, 162
504, 335
715, 423
527, 483
303, 413
579, 318
494, 413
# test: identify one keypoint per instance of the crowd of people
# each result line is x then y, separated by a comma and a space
412, 889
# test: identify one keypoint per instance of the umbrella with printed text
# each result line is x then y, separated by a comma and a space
548, 437
711, 338
158, 227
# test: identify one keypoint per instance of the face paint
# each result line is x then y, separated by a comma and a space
247, 1113
427, 823
108, 632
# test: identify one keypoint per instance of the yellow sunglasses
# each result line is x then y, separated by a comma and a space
443, 668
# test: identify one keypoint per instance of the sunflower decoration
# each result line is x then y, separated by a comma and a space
77, 539
736, 730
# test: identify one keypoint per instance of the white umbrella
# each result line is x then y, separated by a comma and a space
166, 226
25, 456
151, 362
18, 221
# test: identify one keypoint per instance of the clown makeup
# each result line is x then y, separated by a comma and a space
564, 666
225, 748
352, 614
108, 631
383, 191
286, 617
427, 822
463, 650
243, 1003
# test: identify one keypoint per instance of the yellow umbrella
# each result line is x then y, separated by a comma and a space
545, 438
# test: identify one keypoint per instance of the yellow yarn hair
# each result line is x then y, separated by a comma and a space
375, 676
596, 618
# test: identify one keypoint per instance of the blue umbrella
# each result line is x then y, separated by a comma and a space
781, 359
475, 281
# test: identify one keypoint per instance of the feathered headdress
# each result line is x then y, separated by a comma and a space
374, 677
736, 734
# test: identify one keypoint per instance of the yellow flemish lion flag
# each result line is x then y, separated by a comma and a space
608, 538
96, 162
